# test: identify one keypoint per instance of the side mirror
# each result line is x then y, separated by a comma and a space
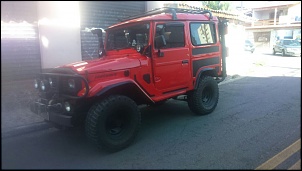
99, 33
160, 42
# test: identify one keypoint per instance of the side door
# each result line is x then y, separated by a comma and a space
171, 62
206, 48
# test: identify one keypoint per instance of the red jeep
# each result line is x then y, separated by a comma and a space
162, 54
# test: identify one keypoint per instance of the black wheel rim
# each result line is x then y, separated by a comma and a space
207, 96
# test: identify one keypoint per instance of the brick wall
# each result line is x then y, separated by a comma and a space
102, 14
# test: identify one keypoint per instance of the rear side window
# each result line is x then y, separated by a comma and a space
202, 33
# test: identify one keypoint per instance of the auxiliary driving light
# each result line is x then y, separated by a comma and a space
42, 86
36, 84
67, 106
50, 81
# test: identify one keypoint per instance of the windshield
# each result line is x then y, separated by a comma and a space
128, 37
291, 42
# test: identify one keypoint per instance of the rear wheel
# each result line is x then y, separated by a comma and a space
113, 123
204, 99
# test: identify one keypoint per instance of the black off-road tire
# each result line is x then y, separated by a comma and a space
113, 123
204, 99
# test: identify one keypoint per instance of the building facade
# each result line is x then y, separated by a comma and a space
37, 35
276, 20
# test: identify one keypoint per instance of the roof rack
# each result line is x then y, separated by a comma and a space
169, 10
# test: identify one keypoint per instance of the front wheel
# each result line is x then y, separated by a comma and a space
204, 99
283, 52
274, 52
113, 123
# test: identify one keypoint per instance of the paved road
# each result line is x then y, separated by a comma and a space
257, 117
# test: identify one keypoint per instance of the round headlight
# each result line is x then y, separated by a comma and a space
42, 86
67, 106
36, 84
138, 48
50, 81
71, 83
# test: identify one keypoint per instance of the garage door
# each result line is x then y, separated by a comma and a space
20, 54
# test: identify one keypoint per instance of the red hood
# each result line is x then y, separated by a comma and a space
104, 64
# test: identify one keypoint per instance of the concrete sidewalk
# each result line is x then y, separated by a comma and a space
16, 118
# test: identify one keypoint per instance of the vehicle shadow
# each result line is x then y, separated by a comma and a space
279, 55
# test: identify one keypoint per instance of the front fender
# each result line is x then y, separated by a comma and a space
122, 85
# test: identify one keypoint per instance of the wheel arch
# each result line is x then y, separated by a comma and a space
126, 88
204, 72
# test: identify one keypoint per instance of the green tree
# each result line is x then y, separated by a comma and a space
218, 5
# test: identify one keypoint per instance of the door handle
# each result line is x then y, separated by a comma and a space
185, 62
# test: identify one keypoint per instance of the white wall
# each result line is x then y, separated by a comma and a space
294, 11
235, 38
59, 30
273, 39
263, 15
297, 34
154, 4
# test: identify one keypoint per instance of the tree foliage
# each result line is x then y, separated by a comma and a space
218, 5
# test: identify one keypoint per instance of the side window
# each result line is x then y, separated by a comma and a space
202, 33
173, 34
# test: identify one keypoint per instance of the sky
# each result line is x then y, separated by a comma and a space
247, 4
234, 4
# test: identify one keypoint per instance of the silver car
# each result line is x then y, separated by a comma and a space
287, 47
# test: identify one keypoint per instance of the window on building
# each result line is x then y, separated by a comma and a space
202, 33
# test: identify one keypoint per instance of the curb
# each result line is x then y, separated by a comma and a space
231, 79
26, 129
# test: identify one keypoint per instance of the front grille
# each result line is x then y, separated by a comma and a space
60, 85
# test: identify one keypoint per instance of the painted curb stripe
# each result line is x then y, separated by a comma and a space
280, 157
